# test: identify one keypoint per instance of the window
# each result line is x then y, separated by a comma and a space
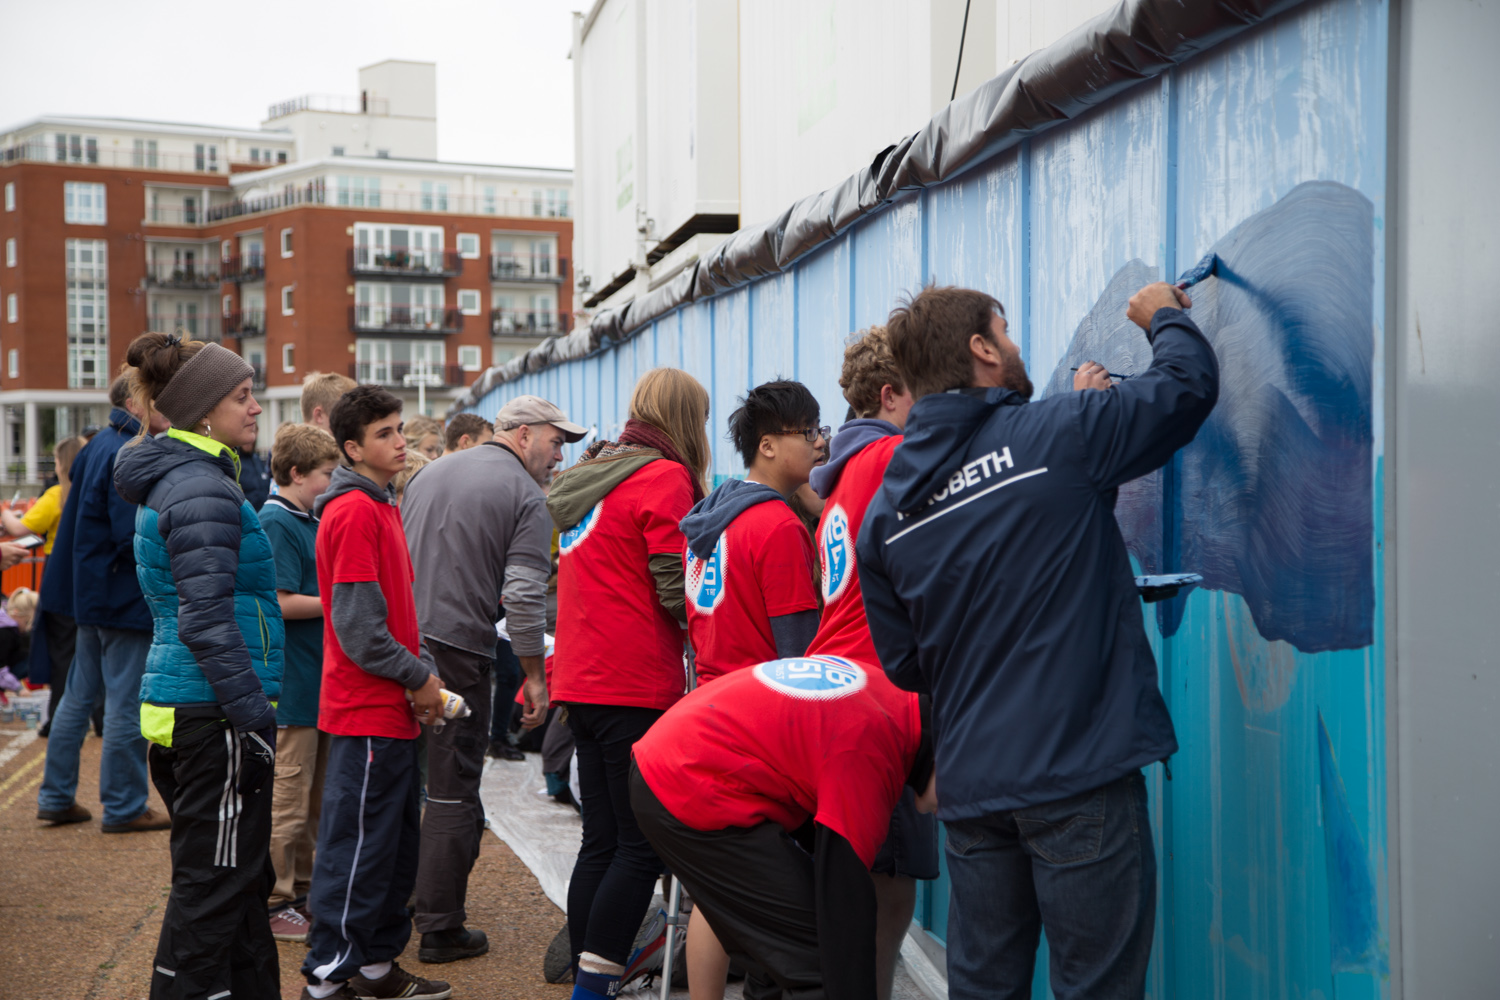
88, 314
434, 197
281, 156
286, 242
552, 203
468, 301
225, 250
206, 157
254, 155
382, 154
288, 357
10, 196
400, 362
76, 148
468, 358
83, 203
407, 249
536, 203
13, 363
398, 306
228, 305
562, 204
468, 246
10, 252
144, 153
359, 192
286, 301
491, 206
12, 313
338, 150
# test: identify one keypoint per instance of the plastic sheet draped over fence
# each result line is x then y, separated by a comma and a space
1135, 41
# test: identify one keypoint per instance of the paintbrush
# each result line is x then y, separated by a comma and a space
1207, 267
1110, 374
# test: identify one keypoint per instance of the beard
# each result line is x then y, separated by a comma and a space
1013, 376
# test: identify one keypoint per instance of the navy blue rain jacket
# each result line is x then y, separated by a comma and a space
106, 593
996, 579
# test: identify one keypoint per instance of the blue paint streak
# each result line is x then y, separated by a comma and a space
1275, 490
1354, 938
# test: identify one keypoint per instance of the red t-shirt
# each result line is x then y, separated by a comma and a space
818, 737
616, 644
761, 568
844, 630
360, 540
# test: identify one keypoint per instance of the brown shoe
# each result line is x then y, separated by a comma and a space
400, 983
148, 820
75, 813
289, 925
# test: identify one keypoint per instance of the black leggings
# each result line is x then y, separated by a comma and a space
616, 869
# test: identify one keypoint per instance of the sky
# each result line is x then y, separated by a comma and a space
505, 85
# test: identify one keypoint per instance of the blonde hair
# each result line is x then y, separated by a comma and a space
22, 607
869, 367
323, 389
414, 462
419, 427
676, 404
302, 447
63, 454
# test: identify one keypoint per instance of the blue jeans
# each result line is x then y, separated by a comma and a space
1081, 867
107, 667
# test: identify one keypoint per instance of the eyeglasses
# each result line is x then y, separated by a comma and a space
811, 434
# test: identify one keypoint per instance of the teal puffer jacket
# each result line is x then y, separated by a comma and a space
209, 577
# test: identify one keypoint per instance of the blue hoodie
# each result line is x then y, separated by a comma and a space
995, 577
851, 439
711, 516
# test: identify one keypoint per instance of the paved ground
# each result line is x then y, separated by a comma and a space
80, 911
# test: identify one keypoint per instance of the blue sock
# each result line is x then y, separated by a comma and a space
594, 986
556, 782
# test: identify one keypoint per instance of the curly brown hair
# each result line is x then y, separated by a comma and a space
869, 367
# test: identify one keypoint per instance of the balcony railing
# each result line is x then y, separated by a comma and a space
312, 193
203, 327
407, 374
199, 277
512, 322
367, 260
246, 322
250, 267
404, 319
318, 192
43, 149
257, 377
527, 267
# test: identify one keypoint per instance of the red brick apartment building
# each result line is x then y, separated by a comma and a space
330, 239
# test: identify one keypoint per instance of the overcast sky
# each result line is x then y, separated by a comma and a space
505, 85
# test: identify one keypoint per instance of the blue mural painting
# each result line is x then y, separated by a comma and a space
1278, 480
1270, 151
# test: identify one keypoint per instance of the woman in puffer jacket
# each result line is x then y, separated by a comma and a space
214, 670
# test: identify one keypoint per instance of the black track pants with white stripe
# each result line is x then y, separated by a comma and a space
365, 867
215, 940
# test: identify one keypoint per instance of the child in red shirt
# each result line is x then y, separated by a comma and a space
734, 773
749, 564
378, 684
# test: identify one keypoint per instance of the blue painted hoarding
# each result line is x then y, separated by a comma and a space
1269, 150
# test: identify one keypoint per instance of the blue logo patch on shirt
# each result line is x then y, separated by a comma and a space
574, 536
705, 577
812, 678
838, 553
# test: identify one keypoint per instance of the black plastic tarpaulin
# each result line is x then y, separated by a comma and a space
1133, 42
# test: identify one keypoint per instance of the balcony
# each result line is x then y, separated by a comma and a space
257, 377
193, 327
368, 261
404, 319
516, 322
406, 375
246, 322
251, 267
189, 277
527, 267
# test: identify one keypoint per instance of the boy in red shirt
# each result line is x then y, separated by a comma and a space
378, 684
861, 451
749, 563
819, 749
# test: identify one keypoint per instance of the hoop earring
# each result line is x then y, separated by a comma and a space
208, 429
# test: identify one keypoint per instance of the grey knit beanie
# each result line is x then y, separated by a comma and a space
200, 383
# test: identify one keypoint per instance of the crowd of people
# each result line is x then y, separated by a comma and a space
768, 687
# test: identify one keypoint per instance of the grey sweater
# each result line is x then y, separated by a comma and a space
477, 527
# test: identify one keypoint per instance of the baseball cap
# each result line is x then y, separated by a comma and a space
536, 410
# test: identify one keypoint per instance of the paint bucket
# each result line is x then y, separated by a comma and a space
7, 713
